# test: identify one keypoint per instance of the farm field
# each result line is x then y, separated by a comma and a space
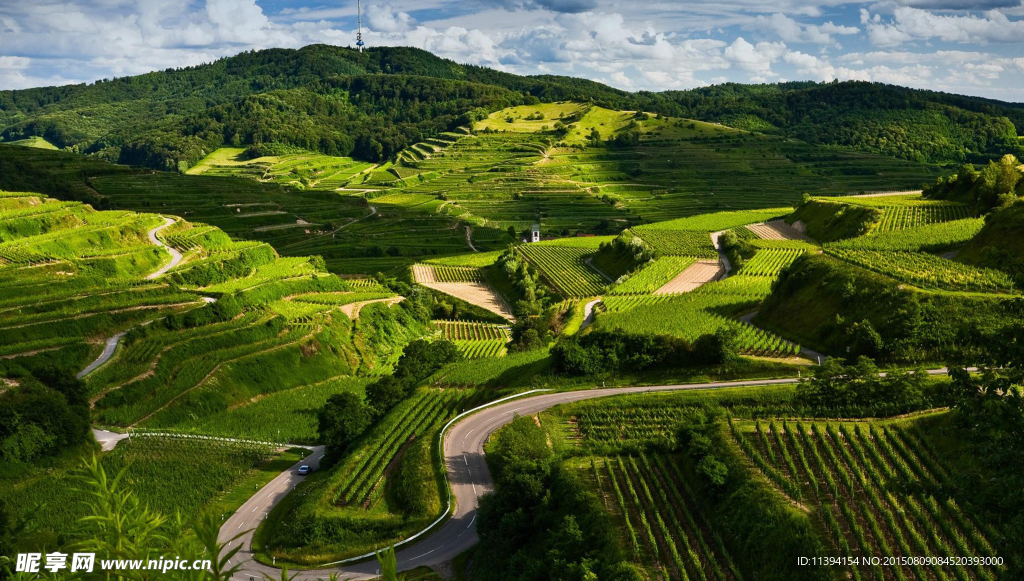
353, 496
873, 487
760, 323
692, 277
875, 484
475, 293
475, 340
566, 269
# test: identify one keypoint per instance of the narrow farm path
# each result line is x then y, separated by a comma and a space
588, 313
352, 309
175, 255
469, 239
463, 442
721, 253
589, 261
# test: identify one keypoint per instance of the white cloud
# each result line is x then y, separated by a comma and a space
650, 46
911, 23
383, 18
755, 58
14, 62
620, 80
792, 31
237, 21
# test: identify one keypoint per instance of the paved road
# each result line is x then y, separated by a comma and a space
467, 473
108, 352
108, 440
175, 255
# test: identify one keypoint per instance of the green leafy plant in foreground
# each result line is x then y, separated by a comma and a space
119, 526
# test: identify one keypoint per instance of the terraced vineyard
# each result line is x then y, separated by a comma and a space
303, 170
443, 273
928, 238
908, 211
899, 217
565, 269
878, 487
672, 242
690, 316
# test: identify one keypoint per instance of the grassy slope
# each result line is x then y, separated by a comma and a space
827, 221
37, 142
819, 296
1000, 243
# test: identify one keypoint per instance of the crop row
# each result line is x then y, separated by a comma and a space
927, 270
929, 238
689, 316
413, 418
665, 526
653, 276
468, 331
564, 268
456, 274
769, 262
899, 217
678, 242
482, 348
874, 485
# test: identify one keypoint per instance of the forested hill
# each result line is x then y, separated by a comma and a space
372, 104
907, 123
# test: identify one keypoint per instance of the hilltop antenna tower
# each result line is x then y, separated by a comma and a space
359, 20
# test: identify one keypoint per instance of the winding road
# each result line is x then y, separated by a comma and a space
111, 344
105, 355
175, 255
467, 473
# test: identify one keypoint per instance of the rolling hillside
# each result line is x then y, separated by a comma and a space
371, 105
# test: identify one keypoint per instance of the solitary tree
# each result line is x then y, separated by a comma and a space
342, 419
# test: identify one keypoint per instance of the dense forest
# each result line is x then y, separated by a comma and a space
372, 104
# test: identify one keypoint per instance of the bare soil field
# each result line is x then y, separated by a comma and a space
474, 293
697, 274
776, 230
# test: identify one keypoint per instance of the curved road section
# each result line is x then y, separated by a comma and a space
175, 255
467, 474
108, 351
111, 345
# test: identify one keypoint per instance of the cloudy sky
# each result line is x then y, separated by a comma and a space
964, 46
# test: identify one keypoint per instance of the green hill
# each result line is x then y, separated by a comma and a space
838, 308
373, 104
999, 244
198, 335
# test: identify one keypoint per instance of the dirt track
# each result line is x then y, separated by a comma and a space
474, 293
776, 230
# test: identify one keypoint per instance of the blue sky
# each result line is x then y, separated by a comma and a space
972, 47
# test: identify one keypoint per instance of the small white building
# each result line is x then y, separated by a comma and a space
535, 233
